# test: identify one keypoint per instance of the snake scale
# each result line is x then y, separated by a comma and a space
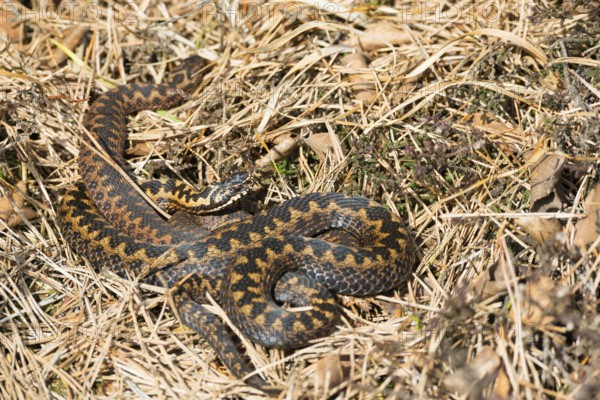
249, 266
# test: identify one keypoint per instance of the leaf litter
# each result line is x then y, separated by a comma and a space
477, 123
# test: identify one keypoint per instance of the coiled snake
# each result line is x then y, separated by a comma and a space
248, 266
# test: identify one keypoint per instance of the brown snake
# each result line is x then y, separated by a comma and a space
249, 266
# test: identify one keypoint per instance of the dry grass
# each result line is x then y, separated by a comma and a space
459, 93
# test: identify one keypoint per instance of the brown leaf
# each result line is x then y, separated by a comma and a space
588, 229
71, 36
393, 309
360, 77
502, 387
7, 212
545, 172
381, 32
366, 96
538, 302
6, 208
329, 373
323, 144
489, 123
540, 229
355, 61
10, 25
483, 287
70, 40
144, 148
473, 378
320, 143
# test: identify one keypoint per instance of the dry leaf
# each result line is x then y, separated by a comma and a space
544, 174
543, 178
489, 123
540, 229
588, 229
10, 25
144, 148
382, 34
362, 85
320, 143
502, 387
483, 287
7, 212
329, 373
70, 40
72, 35
281, 138
538, 302
366, 96
395, 310
472, 379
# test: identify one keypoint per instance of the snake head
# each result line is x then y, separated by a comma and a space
241, 182
238, 179
224, 194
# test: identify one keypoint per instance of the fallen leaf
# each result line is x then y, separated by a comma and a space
588, 229
7, 212
144, 148
366, 96
540, 229
360, 77
490, 124
320, 143
538, 306
393, 309
381, 34
330, 371
544, 174
71, 37
484, 287
473, 378
502, 386
11, 24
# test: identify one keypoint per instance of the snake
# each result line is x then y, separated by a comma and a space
253, 267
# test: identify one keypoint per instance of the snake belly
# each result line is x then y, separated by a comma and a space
249, 266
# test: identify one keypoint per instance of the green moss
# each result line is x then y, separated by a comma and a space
286, 168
